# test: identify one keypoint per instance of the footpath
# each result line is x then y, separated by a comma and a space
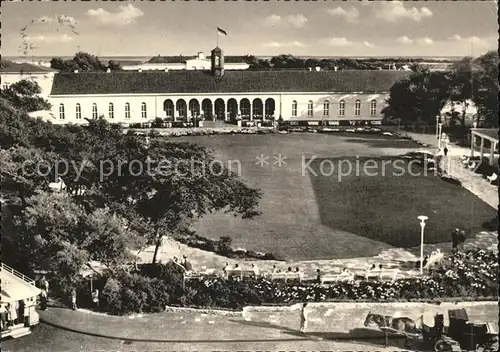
336, 321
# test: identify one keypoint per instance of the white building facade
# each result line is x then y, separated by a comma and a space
198, 62
219, 94
14, 72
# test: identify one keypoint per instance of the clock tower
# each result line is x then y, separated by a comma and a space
217, 62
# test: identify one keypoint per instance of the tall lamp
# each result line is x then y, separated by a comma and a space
422, 219
437, 126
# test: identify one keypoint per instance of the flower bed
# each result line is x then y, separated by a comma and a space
471, 275
221, 247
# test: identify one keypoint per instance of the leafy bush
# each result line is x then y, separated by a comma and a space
133, 293
224, 245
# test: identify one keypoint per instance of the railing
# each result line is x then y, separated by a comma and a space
18, 274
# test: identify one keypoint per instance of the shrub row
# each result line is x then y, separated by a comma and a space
153, 287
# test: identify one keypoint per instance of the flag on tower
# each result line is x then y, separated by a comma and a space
221, 31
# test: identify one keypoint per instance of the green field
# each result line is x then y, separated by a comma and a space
305, 217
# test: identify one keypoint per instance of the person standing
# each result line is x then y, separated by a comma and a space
44, 284
43, 299
95, 298
461, 240
73, 300
454, 240
303, 318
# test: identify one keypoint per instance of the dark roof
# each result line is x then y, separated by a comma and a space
182, 59
13, 67
127, 82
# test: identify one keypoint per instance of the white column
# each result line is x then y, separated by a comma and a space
492, 153
264, 110
482, 148
213, 111
472, 139
251, 111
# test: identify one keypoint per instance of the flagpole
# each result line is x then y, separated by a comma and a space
217, 34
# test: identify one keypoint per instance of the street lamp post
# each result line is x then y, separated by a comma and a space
422, 219
437, 126
440, 128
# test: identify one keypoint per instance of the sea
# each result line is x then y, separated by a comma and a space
45, 60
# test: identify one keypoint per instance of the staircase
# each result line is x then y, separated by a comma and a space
16, 331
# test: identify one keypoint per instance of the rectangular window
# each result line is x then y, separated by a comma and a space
373, 108
78, 112
94, 111
111, 111
326, 108
61, 112
144, 113
294, 109
342, 108
357, 108
127, 110
310, 109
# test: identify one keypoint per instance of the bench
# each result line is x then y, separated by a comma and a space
241, 273
390, 274
286, 276
332, 278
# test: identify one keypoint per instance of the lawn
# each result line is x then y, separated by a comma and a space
385, 207
303, 219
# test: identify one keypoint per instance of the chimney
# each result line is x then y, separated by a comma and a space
201, 55
140, 69
166, 69
108, 70
318, 68
336, 68
75, 71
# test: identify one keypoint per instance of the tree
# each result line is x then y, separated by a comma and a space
418, 99
24, 95
183, 182
486, 88
82, 62
46, 229
25, 170
114, 66
59, 236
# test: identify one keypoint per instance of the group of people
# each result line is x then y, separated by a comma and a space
12, 313
184, 263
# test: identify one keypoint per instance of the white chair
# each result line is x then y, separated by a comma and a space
493, 178
57, 186
391, 274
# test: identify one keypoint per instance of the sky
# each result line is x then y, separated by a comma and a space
261, 28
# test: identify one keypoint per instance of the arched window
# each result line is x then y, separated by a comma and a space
294, 108
78, 112
168, 107
111, 111
144, 112
310, 108
94, 111
127, 110
342, 108
373, 108
326, 108
357, 108
61, 112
